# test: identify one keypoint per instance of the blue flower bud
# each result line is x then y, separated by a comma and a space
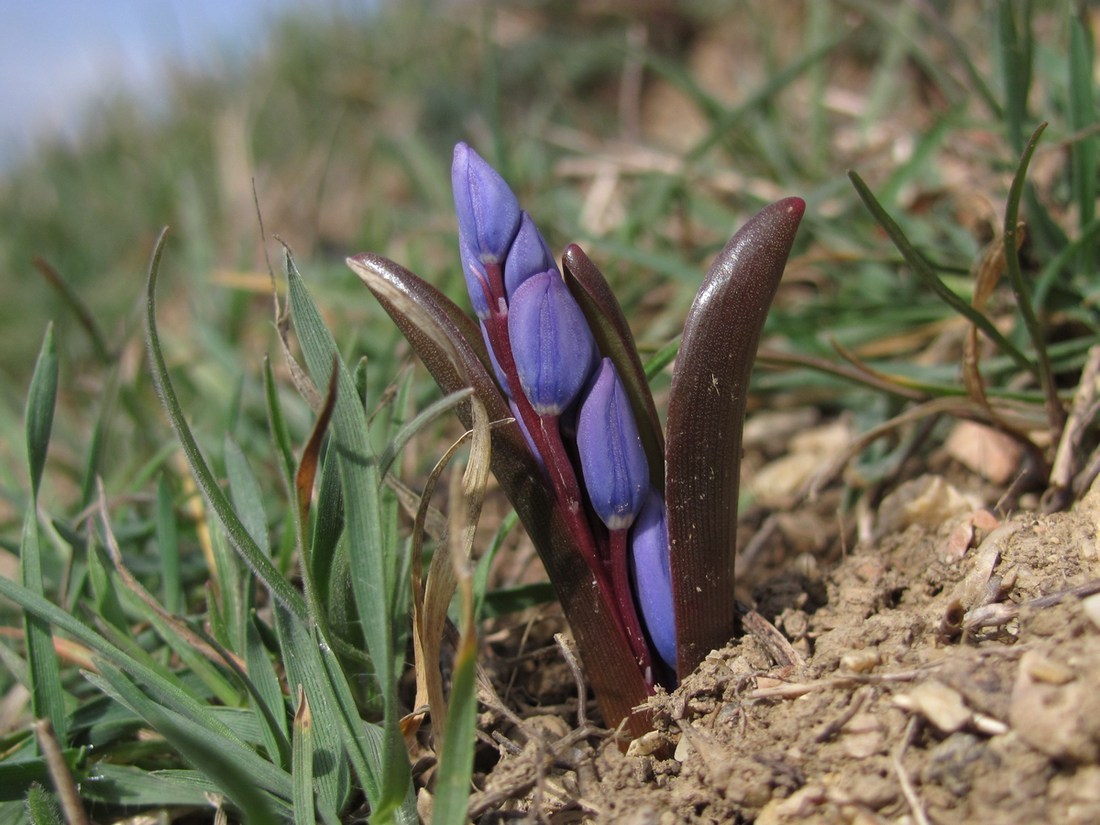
552, 346
529, 255
616, 473
652, 577
487, 210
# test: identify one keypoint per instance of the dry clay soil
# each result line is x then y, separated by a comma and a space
947, 671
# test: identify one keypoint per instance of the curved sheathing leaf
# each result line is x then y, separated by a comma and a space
613, 336
450, 345
706, 413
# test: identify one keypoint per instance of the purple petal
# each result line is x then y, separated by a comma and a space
552, 345
529, 255
616, 473
652, 579
487, 209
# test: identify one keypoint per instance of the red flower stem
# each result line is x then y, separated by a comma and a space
547, 437
564, 480
620, 581
546, 434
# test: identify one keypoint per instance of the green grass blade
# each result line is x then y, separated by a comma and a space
1059, 262
1082, 116
514, 599
169, 691
41, 400
247, 497
928, 276
328, 526
47, 695
185, 780
125, 785
425, 417
302, 770
303, 667
485, 564
452, 787
252, 555
301, 756
17, 774
237, 770
662, 358
1056, 414
280, 436
1014, 40
362, 740
168, 548
375, 565
268, 693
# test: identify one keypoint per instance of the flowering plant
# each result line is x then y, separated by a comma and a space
636, 531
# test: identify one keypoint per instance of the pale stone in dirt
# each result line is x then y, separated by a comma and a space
988, 452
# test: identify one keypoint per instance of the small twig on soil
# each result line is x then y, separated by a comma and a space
834, 727
779, 649
993, 615
571, 660
60, 774
1060, 492
756, 544
797, 689
907, 788
1087, 476
491, 699
506, 743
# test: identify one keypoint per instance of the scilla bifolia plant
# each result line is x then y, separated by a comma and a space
637, 535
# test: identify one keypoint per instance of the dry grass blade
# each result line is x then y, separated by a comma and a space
60, 774
988, 272
304, 479
179, 626
311, 456
1084, 410
448, 568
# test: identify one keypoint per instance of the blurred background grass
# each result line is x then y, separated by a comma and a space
648, 132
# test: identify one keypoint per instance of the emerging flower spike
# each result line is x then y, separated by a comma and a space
652, 577
487, 209
616, 584
528, 255
616, 473
553, 347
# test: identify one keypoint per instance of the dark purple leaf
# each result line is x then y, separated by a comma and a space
706, 412
609, 326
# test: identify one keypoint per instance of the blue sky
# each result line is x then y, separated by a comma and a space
58, 56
